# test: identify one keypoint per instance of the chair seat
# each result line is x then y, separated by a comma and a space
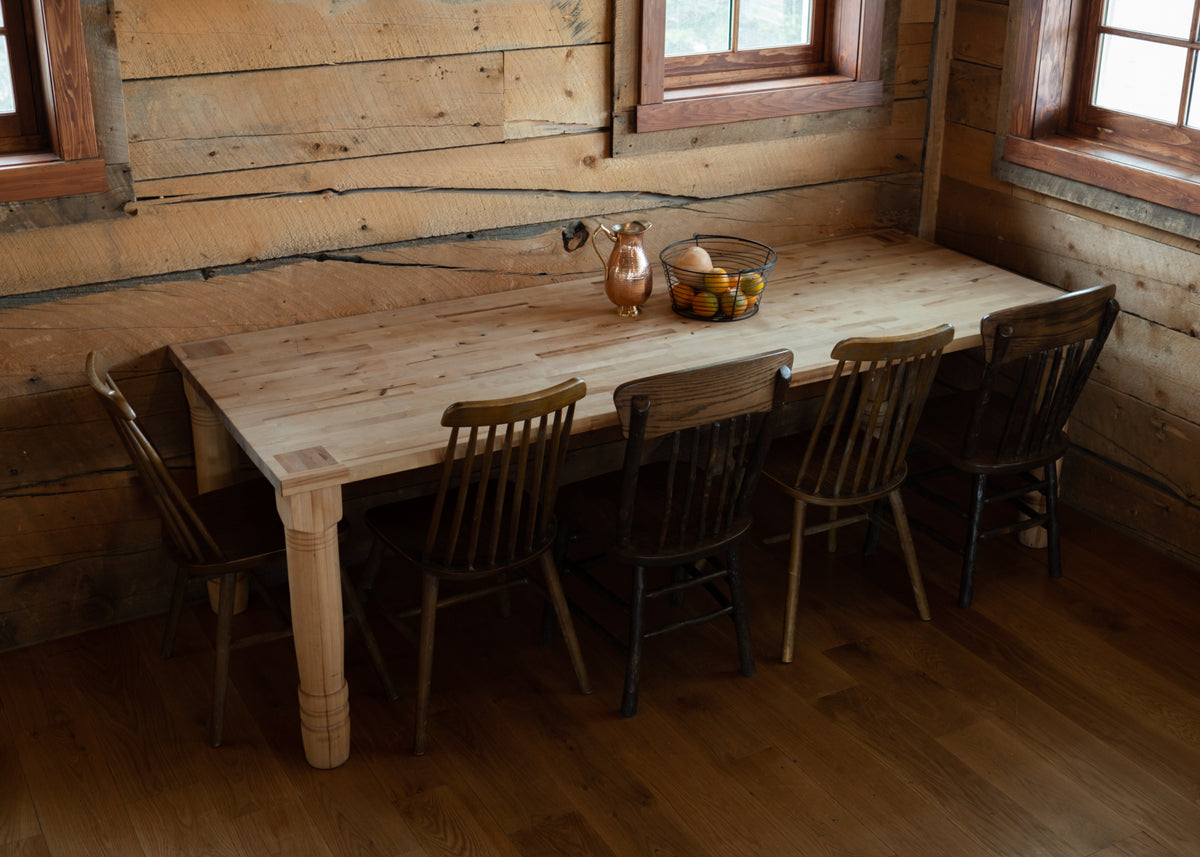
787, 456
941, 432
403, 527
643, 547
242, 519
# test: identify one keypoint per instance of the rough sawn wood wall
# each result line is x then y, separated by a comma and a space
273, 162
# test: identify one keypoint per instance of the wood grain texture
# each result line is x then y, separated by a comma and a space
234, 231
225, 122
978, 732
276, 398
158, 41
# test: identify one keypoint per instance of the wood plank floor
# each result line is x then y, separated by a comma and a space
1053, 718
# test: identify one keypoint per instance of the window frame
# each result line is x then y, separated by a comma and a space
1044, 135
66, 161
854, 32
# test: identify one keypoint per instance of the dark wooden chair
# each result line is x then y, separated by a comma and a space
855, 454
493, 516
695, 444
218, 535
1009, 432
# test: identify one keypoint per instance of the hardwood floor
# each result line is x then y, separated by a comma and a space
1053, 718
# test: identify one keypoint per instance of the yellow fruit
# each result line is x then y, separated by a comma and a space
705, 304
690, 265
751, 283
719, 280
733, 303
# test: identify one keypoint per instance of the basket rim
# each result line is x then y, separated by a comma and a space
697, 237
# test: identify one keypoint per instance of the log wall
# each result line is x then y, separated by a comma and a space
273, 162
1137, 428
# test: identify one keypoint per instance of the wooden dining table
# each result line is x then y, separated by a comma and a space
319, 405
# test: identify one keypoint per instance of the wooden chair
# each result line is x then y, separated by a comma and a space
217, 535
695, 444
493, 515
1012, 427
855, 453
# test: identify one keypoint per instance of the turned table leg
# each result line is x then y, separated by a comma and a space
314, 578
216, 455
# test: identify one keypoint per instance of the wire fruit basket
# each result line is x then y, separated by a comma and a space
730, 289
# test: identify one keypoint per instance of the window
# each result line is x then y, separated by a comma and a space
47, 131
1137, 83
1126, 116
19, 112
706, 62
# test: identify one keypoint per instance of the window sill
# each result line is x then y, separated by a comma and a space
1110, 169
691, 108
44, 175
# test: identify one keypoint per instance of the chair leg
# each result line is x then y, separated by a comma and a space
871, 540
178, 591
831, 535
225, 605
429, 597
910, 554
637, 627
354, 605
741, 623
966, 586
371, 569
555, 591
793, 588
1053, 546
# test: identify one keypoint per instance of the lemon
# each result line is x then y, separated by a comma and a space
751, 283
733, 303
719, 280
705, 304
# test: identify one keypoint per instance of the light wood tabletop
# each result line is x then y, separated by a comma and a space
326, 403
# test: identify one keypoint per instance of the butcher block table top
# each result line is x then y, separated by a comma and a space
325, 403
344, 399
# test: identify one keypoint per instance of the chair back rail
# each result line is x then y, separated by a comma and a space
869, 413
495, 501
696, 442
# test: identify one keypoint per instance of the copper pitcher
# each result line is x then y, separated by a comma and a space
628, 277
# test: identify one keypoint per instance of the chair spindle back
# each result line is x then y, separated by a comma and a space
869, 413
706, 432
1039, 358
185, 530
496, 495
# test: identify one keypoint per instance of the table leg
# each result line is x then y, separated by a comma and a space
314, 577
216, 450
216, 466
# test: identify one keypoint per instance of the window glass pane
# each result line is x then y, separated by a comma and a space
698, 26
774, 23
1163, 17
8, 101
1141, 78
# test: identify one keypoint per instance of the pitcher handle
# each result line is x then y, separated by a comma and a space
611, 237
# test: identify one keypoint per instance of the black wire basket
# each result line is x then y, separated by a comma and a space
731, 291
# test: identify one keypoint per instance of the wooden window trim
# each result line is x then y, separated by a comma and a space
853, 78
1042, 135
71, 164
